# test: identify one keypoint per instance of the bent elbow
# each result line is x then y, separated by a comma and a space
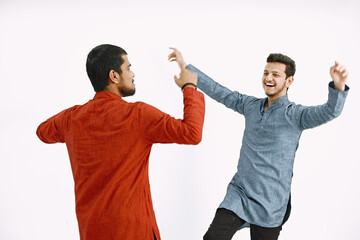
195, 138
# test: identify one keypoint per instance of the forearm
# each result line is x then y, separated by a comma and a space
208, 85
160, 127
193, 119
47, 132
50, 130
231, 99
318, 115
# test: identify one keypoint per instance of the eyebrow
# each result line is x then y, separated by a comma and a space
272, 71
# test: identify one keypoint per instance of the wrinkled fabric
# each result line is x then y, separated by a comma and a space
109, 142
260, 189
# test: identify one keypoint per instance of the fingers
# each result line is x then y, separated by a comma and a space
339, 72
175, 54
171, 55
338, 67
344, 73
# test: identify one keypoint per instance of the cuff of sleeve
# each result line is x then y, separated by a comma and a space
336, 99
332, 85
202, 78
189, 89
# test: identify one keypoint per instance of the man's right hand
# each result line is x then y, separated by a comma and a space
186, 76
177, 56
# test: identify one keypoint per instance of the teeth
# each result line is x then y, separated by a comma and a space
268, 84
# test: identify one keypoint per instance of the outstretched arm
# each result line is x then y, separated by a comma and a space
231, 99
50, 131
314, 116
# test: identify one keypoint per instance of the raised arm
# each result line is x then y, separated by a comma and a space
159, 127
231, 99
310, 117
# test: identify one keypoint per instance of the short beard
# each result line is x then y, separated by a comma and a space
127, 92
270, 95
274, 94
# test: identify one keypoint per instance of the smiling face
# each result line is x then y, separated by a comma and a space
274, 80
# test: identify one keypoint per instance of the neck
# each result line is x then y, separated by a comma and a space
271, 100
113, 89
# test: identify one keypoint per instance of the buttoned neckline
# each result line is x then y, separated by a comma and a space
277, 104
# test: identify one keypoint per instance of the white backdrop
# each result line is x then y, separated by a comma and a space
43, 49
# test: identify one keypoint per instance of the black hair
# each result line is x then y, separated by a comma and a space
281, 58
100, 61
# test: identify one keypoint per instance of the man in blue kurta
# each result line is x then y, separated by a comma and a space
258, 195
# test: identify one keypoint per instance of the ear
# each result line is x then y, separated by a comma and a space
289, 81
114, 77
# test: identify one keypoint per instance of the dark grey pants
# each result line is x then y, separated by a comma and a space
226, 223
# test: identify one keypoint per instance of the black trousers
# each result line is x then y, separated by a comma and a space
226, 223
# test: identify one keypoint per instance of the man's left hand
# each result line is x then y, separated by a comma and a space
339, 74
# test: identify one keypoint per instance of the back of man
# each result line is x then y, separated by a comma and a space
109, 142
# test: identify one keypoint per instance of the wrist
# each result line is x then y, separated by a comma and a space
189, 84
183, 66
339, 86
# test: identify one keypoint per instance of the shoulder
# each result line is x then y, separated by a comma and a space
146, 110
251, 101
70, 110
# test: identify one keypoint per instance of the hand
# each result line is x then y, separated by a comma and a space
177, 56
339, 75
186, 76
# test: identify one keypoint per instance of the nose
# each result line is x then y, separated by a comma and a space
268, 78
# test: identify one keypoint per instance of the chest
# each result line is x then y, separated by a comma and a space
274, 126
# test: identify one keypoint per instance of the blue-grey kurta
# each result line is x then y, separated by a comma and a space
259, 191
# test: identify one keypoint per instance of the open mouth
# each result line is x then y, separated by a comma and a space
269, 84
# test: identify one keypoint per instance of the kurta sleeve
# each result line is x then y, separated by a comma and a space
159, 127
310, 117
231, 99
51, 131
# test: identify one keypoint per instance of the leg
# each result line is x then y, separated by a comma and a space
224, 225
262, 233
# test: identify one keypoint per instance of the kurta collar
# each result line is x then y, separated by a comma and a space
280, 101
276, 104
106, 94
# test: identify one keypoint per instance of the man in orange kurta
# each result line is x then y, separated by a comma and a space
109, 142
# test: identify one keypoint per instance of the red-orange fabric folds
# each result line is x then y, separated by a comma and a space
109, 142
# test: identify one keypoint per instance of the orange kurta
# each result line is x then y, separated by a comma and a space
109, 142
